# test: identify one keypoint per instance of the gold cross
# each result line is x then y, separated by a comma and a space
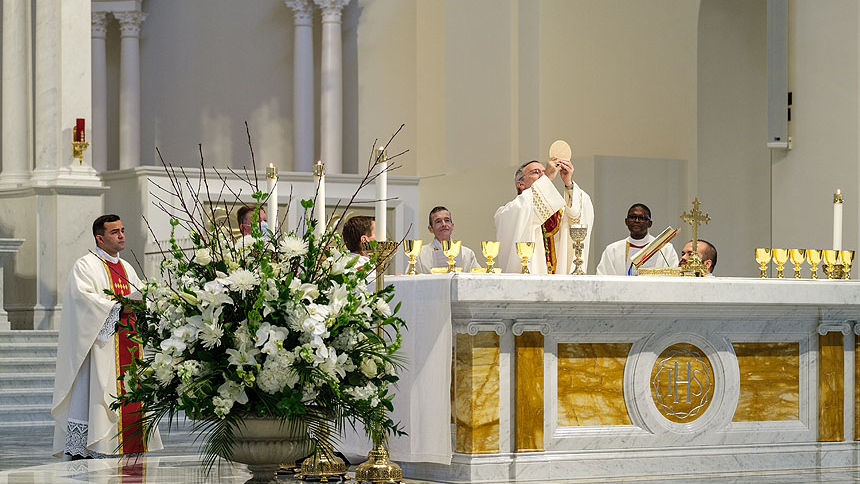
695, 218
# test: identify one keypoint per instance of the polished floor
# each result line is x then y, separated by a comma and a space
25, 459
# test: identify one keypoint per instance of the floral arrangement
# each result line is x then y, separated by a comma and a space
278, 325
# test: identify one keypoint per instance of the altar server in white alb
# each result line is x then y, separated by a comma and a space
431, 255
615, 260
540, 214
92, 349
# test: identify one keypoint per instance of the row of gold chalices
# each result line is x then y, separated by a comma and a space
451, 249
832, 259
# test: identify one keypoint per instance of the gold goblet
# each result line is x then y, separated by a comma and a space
412, 248
847, 257
762, 256
578, 233
490, 248
814, 258
524, 252
797, 257
833, 268
780, 256
451, 248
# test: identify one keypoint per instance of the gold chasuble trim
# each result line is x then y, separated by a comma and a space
549, 228
830, 387
477, 393
529, 392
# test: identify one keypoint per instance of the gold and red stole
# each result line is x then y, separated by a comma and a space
131, 433
549, 229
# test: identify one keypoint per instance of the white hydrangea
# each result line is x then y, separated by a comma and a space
276, 373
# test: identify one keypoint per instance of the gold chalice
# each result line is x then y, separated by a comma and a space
797, 257
814, 258
847, 257
762, 256
490, 248
578, 233
780, 256
833, 269
451, 248
524, 252
412, 248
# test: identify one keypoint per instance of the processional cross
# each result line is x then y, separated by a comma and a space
695, 218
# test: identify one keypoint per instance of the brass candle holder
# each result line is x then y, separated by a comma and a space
833, 269
847, 259
451, 248
490, 249
383, 251
78, 147
524, 252
412, 248
814, 258
780, 257
763, 256
797, 257
578, 233
323, 466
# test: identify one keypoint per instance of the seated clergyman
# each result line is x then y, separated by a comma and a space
431, 255
707, 252
356, 230
615, 260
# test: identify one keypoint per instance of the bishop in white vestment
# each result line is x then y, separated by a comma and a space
615, 260
91, 349
540, 214
431, 255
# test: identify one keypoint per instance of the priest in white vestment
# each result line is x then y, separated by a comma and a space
87, 355
707, 254
540, 214
431, 255
615, 260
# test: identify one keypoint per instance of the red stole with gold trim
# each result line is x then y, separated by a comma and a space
549, 229
131, 433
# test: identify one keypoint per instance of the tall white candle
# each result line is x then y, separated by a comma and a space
272, 207
381, 194
837, 220
319, 206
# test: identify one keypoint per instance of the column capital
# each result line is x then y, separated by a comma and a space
99, 25
331, 9
302, 9
129, 23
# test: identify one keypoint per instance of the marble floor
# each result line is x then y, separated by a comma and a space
25, 459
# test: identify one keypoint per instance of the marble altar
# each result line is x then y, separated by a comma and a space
557, 377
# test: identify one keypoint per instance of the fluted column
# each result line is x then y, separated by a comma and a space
129, 88
303, 85
16, 124
331, 86
98, 143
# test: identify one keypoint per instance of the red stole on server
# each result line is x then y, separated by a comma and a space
549, 229
131, 432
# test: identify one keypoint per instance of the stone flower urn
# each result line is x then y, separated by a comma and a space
266, 443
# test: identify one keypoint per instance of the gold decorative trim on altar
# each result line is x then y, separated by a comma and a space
769, 381
591, 384
682, 383
476, 393
831, 377
529, 388
660, 271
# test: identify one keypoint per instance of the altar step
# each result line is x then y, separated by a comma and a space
28, 362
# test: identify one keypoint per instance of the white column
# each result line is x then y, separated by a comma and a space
331, 86
16, 123
46, 115
303, 85
98, 143
129, 88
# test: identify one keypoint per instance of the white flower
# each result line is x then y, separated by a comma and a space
304, 290
293, 247
243, 357
213, 294
188, 369
243, 280
203, 256
173, 346
333, 365
269, 336
383, 308
210, 335
368, 367
366, 392
187, 333
222, 406
337, 296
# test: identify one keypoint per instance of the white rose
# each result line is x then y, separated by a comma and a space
203, 256
368, 368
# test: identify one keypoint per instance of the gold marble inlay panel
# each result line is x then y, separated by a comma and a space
770, 381
856, 388
477, 393
591, 384
682, 383
529, 392
830, 387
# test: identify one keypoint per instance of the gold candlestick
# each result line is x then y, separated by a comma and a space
814, 258
780, 257
78, 147
524, 252
412, 248
763, 256
797, 257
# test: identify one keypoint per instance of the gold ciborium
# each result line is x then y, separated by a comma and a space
847, 259
833, 269
524, 252
797, 257
780, 257
412, 248
814, 258
451, 248
762, 256
490, 249
578, 233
